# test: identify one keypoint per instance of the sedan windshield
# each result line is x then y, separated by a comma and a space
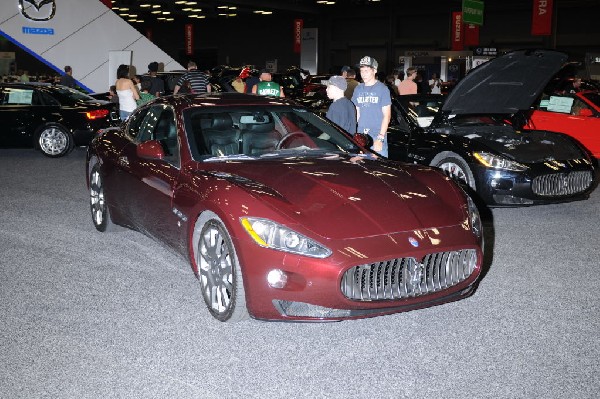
256, 131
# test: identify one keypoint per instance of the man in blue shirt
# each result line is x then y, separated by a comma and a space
373, 105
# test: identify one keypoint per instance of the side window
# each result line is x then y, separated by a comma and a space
578, 106
159, 124
18, 96
165, 132
135, 123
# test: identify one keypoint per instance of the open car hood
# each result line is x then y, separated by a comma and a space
506, 84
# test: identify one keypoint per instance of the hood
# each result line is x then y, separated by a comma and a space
342, 198
506, 84
529, 146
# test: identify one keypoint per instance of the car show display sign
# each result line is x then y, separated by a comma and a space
472, 11
541, 23
457, 31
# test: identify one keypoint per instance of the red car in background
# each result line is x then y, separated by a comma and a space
577, 115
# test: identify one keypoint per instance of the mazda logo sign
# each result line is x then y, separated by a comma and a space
34, 10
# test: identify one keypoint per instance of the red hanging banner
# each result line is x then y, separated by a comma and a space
471, 35
107, 3
189, 39
298, 24
457, 31
149, 33
541, 22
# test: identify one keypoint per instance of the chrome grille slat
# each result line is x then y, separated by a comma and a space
562, 184
407, 277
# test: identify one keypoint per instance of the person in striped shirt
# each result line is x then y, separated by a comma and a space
194, 80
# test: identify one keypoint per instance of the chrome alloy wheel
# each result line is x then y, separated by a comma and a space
216, 269
97, 203
54, 141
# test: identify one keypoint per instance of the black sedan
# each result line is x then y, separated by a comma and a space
51, 118
475, 135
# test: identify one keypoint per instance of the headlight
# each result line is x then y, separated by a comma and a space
474, 219
269, 234
496, 162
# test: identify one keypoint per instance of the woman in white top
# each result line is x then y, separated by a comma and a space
126, 91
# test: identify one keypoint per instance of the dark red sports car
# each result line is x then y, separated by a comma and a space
281, 214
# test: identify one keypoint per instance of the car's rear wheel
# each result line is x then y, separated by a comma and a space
456, 168
54, 141
98, 206
219, 272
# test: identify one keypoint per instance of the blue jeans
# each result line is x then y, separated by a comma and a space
124, 114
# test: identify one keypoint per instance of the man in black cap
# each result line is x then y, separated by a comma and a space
157, 85
341, 111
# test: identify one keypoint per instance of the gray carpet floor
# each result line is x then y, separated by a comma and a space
91, 315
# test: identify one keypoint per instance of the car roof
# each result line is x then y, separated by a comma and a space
227, 99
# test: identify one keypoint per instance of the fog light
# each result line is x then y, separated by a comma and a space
277, 278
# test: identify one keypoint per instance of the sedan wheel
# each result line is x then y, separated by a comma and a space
220, 275
98, 206
55, 142
457, 169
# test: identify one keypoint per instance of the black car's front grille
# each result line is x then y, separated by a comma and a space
408, 277
562, 184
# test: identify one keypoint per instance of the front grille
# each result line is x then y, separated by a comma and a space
408, 277
559, 184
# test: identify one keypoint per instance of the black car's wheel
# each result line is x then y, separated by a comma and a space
219, 272
456, 168
54, 141
98, 205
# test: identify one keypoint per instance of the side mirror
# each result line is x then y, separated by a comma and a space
363, 140
585, 112
151, 149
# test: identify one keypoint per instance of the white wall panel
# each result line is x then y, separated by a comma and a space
80, 34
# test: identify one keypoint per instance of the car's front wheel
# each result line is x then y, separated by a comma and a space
98, 206
54, 141
456, 168
219, 272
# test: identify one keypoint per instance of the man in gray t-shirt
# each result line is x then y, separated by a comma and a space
373, 106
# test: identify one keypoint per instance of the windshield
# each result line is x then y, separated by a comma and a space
256, 131
422, 111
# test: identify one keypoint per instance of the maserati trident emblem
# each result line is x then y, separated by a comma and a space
415, 273
32, 9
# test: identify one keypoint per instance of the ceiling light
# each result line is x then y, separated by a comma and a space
180, 2
156, 6
155, 12
191, 3
145, 5
166, 12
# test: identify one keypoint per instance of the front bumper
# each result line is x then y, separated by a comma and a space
315, 291
541, 183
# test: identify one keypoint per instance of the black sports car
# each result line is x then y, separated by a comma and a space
474, 134
51, 118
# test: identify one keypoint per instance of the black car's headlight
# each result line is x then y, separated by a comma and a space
498, 162
269, 234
